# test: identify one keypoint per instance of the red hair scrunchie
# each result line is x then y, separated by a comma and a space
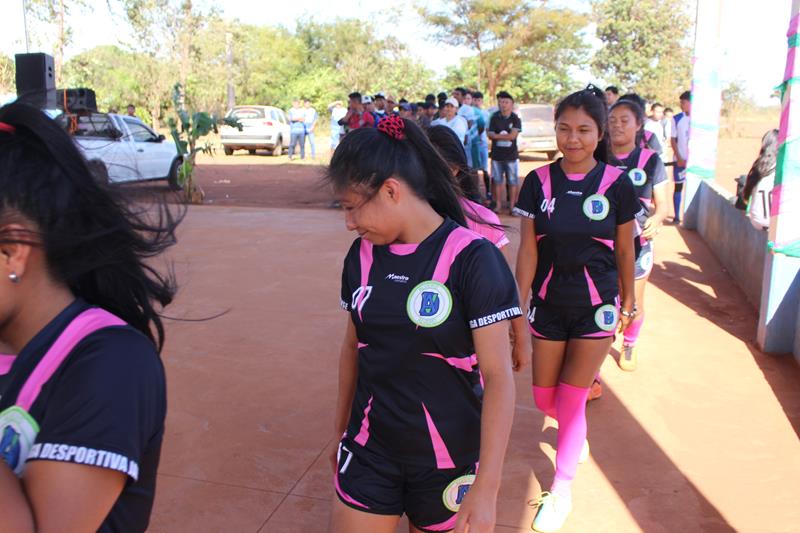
7, 127
394, 127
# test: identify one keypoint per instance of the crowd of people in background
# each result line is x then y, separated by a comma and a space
489, 133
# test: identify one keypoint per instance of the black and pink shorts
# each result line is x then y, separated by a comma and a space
561, 323
374, 484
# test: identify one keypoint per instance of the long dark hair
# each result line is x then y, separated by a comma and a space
452, 150
94, 242
764, 165
592, 100
367, 157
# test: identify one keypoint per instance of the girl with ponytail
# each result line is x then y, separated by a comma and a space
83, 397
425, 381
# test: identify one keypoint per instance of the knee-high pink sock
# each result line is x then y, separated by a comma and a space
545, 399
632, 331
571, 410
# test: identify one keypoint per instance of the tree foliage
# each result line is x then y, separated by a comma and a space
515, 41
645, 46
53, 26
272, 65
7, 75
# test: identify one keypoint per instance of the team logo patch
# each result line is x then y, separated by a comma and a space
429, 304
596, 207
18, 432
606, 317
646, 262
455, 492
637, 176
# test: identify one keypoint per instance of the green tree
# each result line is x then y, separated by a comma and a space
643, 49
510, 35
734, 99
361, 60
151, 22
52, 18
109, 70
531, 83
7, 75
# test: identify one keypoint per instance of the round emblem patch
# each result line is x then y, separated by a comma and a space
18, 432
637, 176
606, 317
455, 492
429, 304
596, 207
646, 262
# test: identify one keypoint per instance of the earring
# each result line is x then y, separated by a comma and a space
13, 277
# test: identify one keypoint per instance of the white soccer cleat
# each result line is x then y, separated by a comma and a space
553, 512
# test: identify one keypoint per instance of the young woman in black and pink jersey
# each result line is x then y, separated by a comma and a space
647, 173
644, 138
480, 219
83, 396
576, 242
426, 395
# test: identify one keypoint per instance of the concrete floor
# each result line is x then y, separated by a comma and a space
703, 437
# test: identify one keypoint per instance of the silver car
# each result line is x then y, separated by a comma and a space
538, 133
263, 128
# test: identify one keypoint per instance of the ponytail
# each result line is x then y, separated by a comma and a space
398, 147
94, 242
452, 151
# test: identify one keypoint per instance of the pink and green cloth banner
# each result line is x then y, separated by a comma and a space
786, 193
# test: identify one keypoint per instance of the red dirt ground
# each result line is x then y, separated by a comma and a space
703, 437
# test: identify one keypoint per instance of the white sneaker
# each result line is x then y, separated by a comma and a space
584, 453
553, 512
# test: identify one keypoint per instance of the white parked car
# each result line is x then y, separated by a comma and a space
263, 128
538, 133
120, 148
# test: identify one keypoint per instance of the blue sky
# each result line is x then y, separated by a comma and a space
753, 35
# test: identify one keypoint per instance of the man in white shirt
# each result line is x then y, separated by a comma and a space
655, 125
450, 119
337, 111
680, 149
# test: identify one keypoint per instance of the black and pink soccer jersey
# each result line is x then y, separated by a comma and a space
419, 392
645, 170
576, 220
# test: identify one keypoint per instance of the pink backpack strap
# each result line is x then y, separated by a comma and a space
610, 175
644, 157
458, 239
81, 327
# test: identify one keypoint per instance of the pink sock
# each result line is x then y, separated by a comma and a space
545, 399
571, 410
632, 331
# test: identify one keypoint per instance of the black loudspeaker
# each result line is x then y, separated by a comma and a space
36, 80
73, 100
